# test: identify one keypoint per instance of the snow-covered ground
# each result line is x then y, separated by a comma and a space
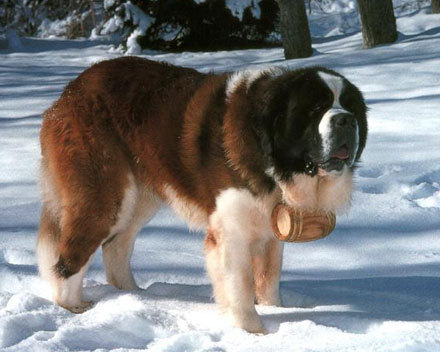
373, 285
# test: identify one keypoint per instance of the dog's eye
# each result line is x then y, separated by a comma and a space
318, 108
347, 101
348, 104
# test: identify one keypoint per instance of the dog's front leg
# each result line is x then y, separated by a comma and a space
228, 263
266, 267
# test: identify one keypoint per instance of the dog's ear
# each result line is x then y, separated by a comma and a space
261, 97
287, 120
288, 147
361, 117
273, 101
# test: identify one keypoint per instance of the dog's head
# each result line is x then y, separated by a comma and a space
310, 122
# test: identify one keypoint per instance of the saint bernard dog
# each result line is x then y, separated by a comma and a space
130, 134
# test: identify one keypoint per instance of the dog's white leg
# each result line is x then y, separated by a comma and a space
229, 266
116, 254
67, 292
267, 270
117, 250
212, 248
233, 231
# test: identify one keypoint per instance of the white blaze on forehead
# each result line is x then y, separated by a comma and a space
335, 84
248, 77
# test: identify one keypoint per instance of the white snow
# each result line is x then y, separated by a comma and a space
373, 285
54, 29
237, 7
108, 4
112, 25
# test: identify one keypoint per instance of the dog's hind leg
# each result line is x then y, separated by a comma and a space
67, 292
65, 246
84, 200
118, 248
266, 267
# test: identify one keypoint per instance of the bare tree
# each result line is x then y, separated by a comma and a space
294, 28
435, 5
309, 6
378, 22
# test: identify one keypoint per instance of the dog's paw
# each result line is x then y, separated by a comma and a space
80, 308
269, 301
250, 322
255, 328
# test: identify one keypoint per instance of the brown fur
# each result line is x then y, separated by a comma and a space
161, 123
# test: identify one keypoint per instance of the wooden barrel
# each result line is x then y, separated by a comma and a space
293, 225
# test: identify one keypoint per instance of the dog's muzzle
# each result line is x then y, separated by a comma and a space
340, 139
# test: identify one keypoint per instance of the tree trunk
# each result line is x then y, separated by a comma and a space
435, 5
309, 5
92, 9
378, 22
294, 29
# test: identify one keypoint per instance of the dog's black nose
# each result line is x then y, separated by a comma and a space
344, 120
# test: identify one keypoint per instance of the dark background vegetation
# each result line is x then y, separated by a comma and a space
206, 25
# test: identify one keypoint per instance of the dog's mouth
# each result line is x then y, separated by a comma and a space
338, 158
341, 154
